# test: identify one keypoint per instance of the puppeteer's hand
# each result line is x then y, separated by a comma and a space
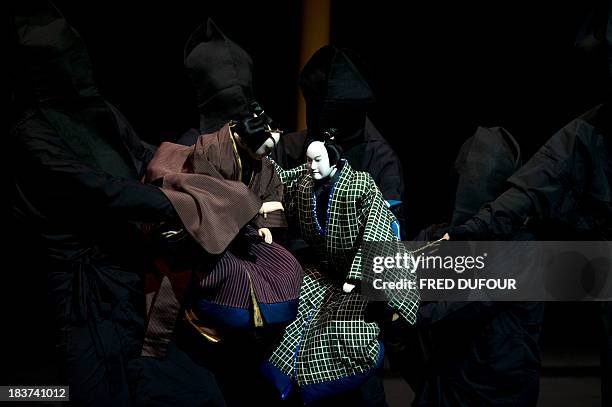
268, 207
266, 234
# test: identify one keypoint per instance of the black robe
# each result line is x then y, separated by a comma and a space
77, 192
479, 353
85, 221
563, 192
567, 185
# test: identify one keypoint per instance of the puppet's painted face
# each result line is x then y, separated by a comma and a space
267, 146
264, 149
318, 161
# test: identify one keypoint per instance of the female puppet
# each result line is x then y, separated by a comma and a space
330, 347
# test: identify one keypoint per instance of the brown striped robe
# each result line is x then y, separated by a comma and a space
244, 281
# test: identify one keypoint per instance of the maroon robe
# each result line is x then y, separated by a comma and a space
204, 184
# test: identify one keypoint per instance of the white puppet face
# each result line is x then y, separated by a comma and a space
264, 149
267, 146
318, 161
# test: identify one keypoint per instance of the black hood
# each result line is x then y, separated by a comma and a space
221, 73
484, 163
336, 93
55, 62
57, 73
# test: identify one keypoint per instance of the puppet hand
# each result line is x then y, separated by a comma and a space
351, 285
473, 229
266, 234
272, 206
348, 287
452, 233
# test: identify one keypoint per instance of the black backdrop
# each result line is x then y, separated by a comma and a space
137, 55
439, 69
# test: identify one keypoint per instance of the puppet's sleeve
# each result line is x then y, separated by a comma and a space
377, 228
290, 180
273, 193
212, 209
372, 214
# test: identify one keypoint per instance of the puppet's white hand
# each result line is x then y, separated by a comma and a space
347, 287
266, 234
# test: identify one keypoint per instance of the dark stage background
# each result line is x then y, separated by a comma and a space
439, 70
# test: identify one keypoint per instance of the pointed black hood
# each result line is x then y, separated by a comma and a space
54, 58
484, 163
221, 73
336, 93
57, 74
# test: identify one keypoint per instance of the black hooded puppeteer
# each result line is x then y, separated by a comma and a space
338, 96
81, 199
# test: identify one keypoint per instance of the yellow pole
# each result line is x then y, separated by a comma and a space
315, 34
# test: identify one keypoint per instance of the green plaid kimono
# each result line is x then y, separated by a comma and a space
329, 347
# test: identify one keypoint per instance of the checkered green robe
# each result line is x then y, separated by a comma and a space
330, 340
357, 213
